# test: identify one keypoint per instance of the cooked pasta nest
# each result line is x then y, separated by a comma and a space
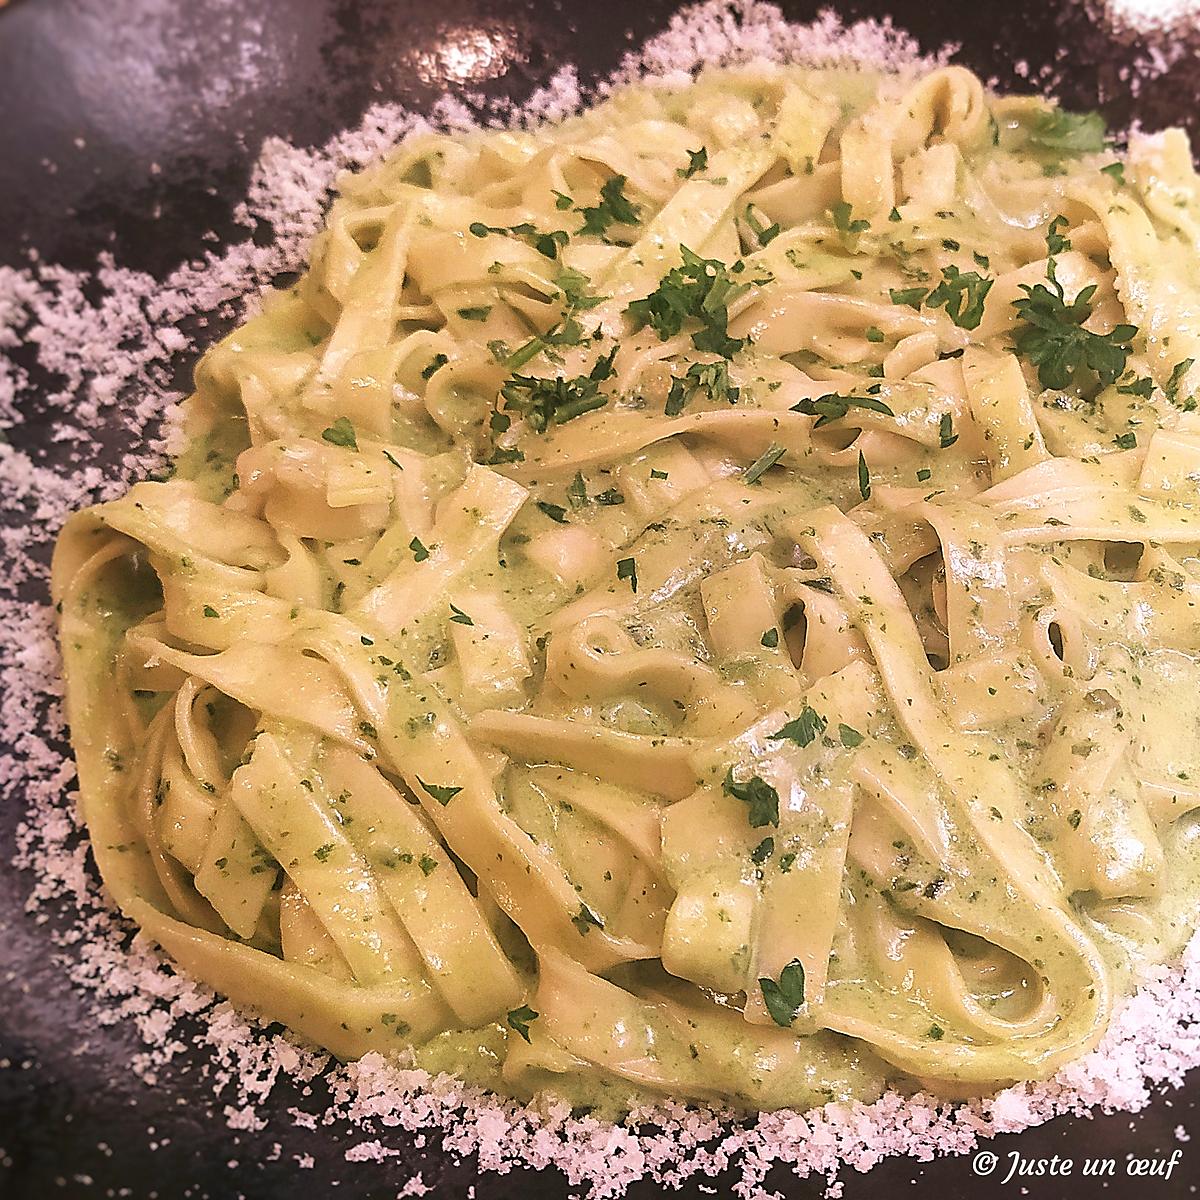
698, 599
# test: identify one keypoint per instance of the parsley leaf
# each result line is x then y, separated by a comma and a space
546, 244
614, 209
585, 919
435, 363
627, 569
762, 798
850, 736
946, 435
763, 463
419, 551
341, 433
962, 294
442, 793
1172, 386
555, 512
832, 407
1115, 171
804, 729
1055, 341
762, 851
459, 617
910, 296
785, 999
1068, 133
1140, 385
574, 287
841, 214
864, 477
1056, 241
520, 1018
697, 161
764, 233
476, 312
1126, 441
577, 491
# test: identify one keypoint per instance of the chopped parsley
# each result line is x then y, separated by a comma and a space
614, 209
784, 999
627, 569
946, 435
910, 296
577, 491
762, 798
770, 639
1140, 385
459, 617
419, 551
544, 402
442, 793
804, 729
700, 289
697, 162
961, 294
546, 244
475, 312
1126, 441
1055, 341
874, 333
435, 363
209, 611
520, 1018
1115, 171
833, 406
322, 853
1172, 386
864, 477
585, 919
763, 463
1068, 133
341, 433
763, 232
762, 851
711, 378
427, 864
555, 512
850, 736
841, 215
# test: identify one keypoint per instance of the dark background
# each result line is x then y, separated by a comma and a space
194, 86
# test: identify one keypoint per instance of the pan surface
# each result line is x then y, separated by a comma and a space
131, 126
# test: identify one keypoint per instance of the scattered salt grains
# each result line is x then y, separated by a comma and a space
1154, 16
110, 341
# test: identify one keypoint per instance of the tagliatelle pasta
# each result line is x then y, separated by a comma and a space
694, 600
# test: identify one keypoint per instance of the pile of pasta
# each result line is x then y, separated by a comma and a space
696, 600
